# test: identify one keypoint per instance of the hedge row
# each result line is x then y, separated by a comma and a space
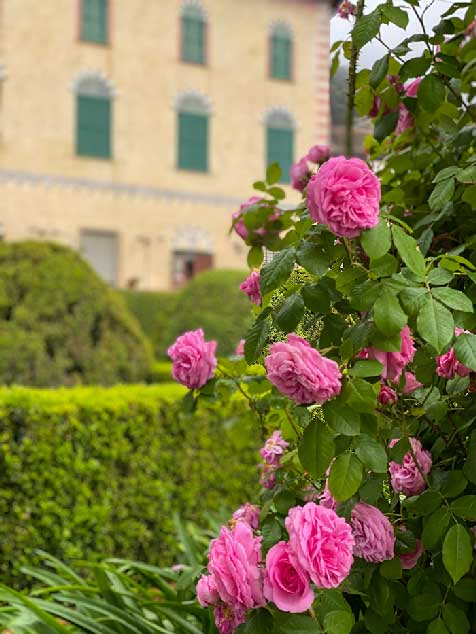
101, 471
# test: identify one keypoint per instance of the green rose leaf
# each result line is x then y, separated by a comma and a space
385, 125
453, 299
338, 622
437, 627
455, 619
260, 622
457, 552
290, 313
277, 271
376, 242
391, 569
366, 28
388, 313
316, 449
342, 419
290, 624
360, 395
395, 15
435, 526
442, 193
311, 257
255, 339
371, 453
465, 350
379, 70
345, 476
435, 324
465, 507
273, 173
424, 606
365, 368
414, 67
465, 590
255, 257
409, 251
431, 93
316, 298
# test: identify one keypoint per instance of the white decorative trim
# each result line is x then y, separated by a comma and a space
281, 26
193, 238
279, 112
93, 75
195, 4
203, 103
109, 187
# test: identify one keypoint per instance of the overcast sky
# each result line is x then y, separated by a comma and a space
391, 34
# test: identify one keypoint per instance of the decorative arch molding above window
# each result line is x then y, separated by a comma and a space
281, 50
94, 98
280, 127
193, 41
193, 112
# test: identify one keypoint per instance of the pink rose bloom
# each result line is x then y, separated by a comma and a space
345, 196
301, 372
326, 498
194, 359
411, 383
410, 560
406, 477
274, 448
207, 593
394, 80
228, 618
251, 287
240, 227
240, 348
346, 9
387, 396
393, 362
234, 563
248, 513
268, 476
319, 153
373, 112
285, 584
447, 365
320, 544
373, 533
405, 117
300, 174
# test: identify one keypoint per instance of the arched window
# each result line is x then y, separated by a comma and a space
93, 116
280, 140
281, 45
94, 21
194, 33
193, 112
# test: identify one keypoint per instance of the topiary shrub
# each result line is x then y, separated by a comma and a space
60, 324
213, 301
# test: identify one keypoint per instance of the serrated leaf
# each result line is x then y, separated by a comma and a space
415, 67
435, 527
255, 257
277, 271
431, 93
379, 70
409, 251
345, 476
316, 298
376, 242
366, 28
311, 257
366, 367
338, 622
341, 419
388, 314
360, 395
437, 627
453, 299
256, 339
465, 507
395, 15
465, 350
455, 619
385, 125
457, 552
316, 449
290, 313
371, 453
435, 324
441, 194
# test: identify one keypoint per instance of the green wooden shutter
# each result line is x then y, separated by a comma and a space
93, 127
94, 21
193, 39
193, 142
281, 57
280, 149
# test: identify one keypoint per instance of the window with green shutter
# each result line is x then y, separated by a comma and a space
93, 117
193, 35
280, 141
94, 21
193, 112
281, 52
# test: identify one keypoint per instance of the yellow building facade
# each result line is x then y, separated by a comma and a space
145, 206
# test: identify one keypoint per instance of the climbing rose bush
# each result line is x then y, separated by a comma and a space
359, 368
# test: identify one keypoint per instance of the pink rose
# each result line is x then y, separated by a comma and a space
207, 593
410, 560
248, 513
274, 448
373, 533
448, 366
228, 618
405, 117
319, 153
406, 477
346, 9
268, 475
345, 196
373, 112
393, 362
194, 359
285, 584
411, 383
387, 396
240, 348
234, 563
327, 499
320, 544
259, 232
300, 174
251, 287
301, 372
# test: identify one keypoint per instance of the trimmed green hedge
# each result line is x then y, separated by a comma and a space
61, 325
97, 472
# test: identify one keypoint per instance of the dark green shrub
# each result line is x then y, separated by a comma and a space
60, 324
213, 301
97, 472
